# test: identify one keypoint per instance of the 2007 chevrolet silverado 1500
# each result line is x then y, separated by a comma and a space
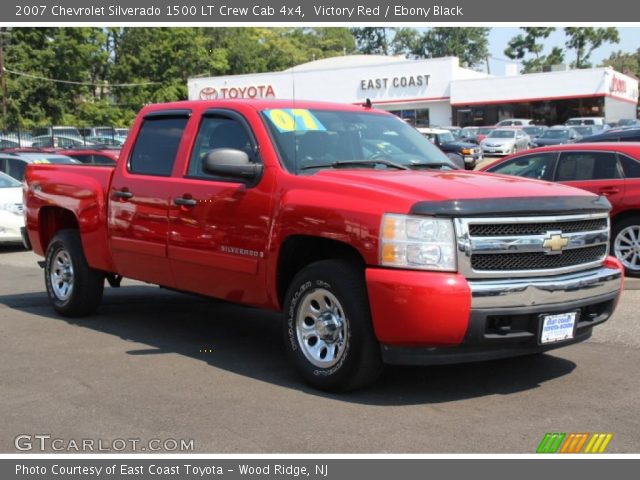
342, 217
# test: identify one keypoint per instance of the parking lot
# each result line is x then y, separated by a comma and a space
153, 364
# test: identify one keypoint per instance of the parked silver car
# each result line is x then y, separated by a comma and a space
505, 141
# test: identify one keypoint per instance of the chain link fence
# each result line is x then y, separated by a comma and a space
51, 136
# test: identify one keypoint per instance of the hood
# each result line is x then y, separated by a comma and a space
402, 189
498, 141
458, 145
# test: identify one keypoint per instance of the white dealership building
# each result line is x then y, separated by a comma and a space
438, 91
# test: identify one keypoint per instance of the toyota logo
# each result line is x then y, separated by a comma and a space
208, 93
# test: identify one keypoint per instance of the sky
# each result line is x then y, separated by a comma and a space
500, 36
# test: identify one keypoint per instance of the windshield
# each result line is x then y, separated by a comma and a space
555, 134
315, 139
502, 134
532, 130
484, 130
446, 137
584, 131
8, 182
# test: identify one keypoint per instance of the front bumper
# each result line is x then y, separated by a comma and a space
10, 225
501, 150
440, 318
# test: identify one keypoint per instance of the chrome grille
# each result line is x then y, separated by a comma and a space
503, 229
531, 246
535, 260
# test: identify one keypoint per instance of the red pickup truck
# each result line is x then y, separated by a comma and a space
342, 217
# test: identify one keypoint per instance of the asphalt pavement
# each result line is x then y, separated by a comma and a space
154, 364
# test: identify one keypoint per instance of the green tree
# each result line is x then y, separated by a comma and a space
35, 56
628, 63
405, 41
528, 44
372, 40
584, 40
159, 61
469, 44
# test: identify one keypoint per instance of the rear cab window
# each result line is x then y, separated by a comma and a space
157, 143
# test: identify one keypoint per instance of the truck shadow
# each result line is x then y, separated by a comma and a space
249, 342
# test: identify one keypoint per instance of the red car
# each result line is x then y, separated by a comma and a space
609, 169
93, 156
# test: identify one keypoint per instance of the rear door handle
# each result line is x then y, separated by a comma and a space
609, 190
124, 194
185, 201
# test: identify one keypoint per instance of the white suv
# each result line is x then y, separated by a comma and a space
575, 121
514, 122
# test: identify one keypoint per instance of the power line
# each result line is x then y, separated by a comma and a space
71, 82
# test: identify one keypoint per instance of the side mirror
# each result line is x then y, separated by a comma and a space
232, 163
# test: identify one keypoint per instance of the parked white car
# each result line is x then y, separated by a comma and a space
11, 210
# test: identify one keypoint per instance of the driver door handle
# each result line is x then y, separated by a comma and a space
185, 201
124, 194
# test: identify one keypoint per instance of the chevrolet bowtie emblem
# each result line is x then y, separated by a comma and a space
555, 242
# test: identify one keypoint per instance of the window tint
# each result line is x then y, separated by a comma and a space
587, 166
630, 166
103, 160
17, 168
83, 158
156, 146
217, 132
535, 166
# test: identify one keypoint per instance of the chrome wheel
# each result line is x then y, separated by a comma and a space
627, 247
321, 328
61, 275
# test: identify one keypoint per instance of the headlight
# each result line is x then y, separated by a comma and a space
467, 151
15, 208
417, 242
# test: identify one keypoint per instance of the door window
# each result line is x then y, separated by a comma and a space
218, 132
535, 166
587, 166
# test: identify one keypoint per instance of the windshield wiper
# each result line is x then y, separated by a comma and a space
430, 165
346, 163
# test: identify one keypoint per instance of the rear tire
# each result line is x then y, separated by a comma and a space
74, 288
328, 332
625, 244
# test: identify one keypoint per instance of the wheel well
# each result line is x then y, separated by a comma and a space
298, 251
52, 220
623, 216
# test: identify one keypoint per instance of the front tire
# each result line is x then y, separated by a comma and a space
74, 288
625, 245
328, 332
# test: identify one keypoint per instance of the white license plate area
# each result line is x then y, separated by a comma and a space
558, 327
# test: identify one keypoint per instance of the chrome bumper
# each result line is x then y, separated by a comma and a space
528, 292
